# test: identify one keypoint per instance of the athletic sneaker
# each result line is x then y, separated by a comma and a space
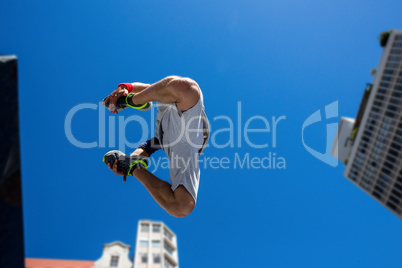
126, 101
126, 164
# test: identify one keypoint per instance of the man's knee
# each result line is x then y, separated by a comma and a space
184, 203
180, 210
186, 90
184, 86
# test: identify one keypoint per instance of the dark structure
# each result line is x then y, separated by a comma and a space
11, 226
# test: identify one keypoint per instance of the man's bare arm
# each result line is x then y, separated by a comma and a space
138, 87
172, 89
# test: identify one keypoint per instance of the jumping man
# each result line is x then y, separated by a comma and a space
182, 132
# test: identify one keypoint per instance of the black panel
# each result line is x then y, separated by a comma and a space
11, 227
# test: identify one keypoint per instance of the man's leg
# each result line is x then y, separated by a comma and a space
178, 203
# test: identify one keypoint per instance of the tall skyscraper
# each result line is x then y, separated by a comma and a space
156, 246
370, 146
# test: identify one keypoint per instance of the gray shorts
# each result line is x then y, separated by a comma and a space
183, 136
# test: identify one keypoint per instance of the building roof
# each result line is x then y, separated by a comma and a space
51, 263
117, 243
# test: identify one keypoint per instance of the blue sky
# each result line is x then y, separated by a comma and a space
278, 58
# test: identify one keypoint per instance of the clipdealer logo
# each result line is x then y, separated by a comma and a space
330, 111
234, 132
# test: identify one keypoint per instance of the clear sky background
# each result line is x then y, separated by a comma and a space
278, 58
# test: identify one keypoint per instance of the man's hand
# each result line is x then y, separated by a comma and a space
112, 98
115, 171
138, 151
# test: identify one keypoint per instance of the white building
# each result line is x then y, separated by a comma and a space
115, 255
371, 148
156, 246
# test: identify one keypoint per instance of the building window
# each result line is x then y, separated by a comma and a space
382, 184
397, 45
386, 78
396, 146
364, 185
388, 120
144, 257
395, 101
157, 258
398, 139
389, 72
394, 58
389, 165
384, 133
379, 145
377, 195
368, 173
156, 243
168, 249
386, 171
399, 187
145, 228
376, 109
156, 228
144, 243
390, 114
373, 115
391, 206
393, 152
385, 86
378, 103
371, 168
385, 178
114, 261
392, 108
392, 65
391, 159
167, 234
168, 263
